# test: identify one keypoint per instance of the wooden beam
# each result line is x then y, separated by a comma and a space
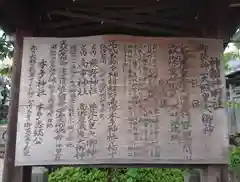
76, 31
133, 19
161, 6
118, 23
66, 23
214, 23
93, 4
152, 17
234, 3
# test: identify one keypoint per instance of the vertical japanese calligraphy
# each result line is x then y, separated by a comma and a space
121, 99
73, 96
102, 86
87, 85
111, 97
86, 136
60, 127
41, 82
180, 125
52, 81
211, 88
81, 132
38, 132
28, 122
141, 68
92, 138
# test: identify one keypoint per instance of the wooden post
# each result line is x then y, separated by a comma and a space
27, 174
109, 174
192, 175
215, 173
10, 172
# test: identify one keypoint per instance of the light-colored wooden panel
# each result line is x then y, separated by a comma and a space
122, 99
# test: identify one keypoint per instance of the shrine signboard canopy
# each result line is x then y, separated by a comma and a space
117, 99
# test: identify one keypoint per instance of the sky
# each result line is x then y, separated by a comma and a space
230, 47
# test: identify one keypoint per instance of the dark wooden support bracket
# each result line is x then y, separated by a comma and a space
115, 22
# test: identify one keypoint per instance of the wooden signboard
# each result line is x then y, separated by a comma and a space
121, 99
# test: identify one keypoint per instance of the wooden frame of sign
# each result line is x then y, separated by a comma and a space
211, 25
214, 168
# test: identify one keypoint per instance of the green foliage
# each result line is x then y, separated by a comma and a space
69, 174
229, 56
237, 45
6, 52
3, 122
6, 71
6, 47
234, 159
4, 91
152, 175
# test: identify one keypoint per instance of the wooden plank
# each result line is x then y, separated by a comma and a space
204, 149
